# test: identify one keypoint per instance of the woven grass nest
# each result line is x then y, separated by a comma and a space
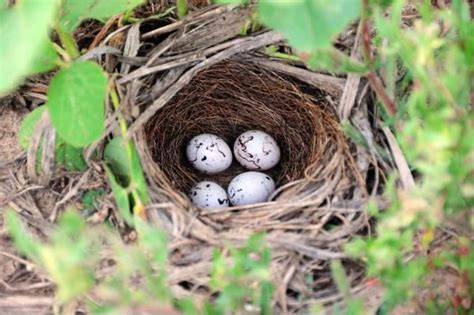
317, 171
321, 192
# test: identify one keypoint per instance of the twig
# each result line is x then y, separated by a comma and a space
245, 45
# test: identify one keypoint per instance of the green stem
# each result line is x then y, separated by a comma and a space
68, 42
182, 8
128, 145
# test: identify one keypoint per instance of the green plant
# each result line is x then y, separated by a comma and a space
432, 122
71, 258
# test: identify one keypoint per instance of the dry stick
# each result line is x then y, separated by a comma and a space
189, 20
246, 45
352, 84
26, 305
71, 193
103, 32
329, 84
405, 174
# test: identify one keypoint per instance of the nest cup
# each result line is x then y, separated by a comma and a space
229, 99
316, 175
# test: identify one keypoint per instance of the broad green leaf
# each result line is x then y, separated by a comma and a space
24, 41
76, 103
309, 24
28, 125
74, 11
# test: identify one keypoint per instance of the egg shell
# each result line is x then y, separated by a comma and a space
209, 153
257, 150
249, 188
209, 195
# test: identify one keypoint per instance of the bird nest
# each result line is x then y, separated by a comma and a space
321, 191
317, 175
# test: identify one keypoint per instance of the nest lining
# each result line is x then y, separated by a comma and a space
230, 98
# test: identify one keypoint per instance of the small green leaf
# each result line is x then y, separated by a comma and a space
28, 125
116, 156
121, 197
138, 178
89, 198
23, 241
76, 103
70, 157
74, 11
309, 24
128, 170
23, 38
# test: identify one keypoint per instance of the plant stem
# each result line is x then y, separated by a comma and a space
139, 208
68, 42
182, 8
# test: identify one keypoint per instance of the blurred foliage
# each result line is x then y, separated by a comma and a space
135, 274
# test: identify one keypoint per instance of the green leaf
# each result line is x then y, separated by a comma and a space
24, 40
28, 125
116, 156
74, 11
23, 241
127, 169
121, 197
138, 178
89, 198
70, 157
309, 24
76, 103
46, 59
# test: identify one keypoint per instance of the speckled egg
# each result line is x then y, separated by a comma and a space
209, 195
250, 187
256, 150
209, 154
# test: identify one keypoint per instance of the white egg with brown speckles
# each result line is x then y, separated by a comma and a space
249, 188
256, 150
209, 153
209, 195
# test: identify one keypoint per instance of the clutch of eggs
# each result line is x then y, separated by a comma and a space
209, 153
209, 195
256, 150
250, 187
